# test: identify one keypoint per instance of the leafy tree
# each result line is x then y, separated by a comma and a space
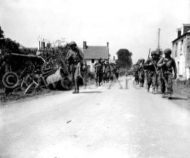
10, 46
124, 58
1, 33
7, 45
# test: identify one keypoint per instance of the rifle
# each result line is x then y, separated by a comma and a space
149, 53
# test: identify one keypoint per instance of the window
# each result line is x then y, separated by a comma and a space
188, 49
175, 49
181, 46
92, 60
178, 66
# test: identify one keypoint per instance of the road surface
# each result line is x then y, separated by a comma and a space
98, 122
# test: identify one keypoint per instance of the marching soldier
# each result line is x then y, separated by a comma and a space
168, 72
152, 71
85, 73
75, 58
141, 72
136, 73
98, 72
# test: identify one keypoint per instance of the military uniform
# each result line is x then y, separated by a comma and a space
168, 70
136, 73
152, 71
85, 74
77, 77
99, 72
75, 57
141, 74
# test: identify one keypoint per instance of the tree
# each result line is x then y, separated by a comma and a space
10, 46
124, 58
7, 45
1, 33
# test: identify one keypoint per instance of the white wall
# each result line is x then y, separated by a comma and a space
89, 63
179, 56
187, 73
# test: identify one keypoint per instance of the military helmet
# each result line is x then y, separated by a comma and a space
167, 51
141, 60
158, 52
72, 43
153, 52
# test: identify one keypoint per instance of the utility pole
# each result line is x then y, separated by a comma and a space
158, 38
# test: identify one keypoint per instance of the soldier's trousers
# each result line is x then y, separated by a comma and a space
166, 83
136, 78
152, 79
141, 78
149, 79
155, 81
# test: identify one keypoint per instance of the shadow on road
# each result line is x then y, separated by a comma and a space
92, 92
182, 102
178, 98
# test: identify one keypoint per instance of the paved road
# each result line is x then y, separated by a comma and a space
98, 122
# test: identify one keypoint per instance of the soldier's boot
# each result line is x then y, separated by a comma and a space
164, 95
148, 88
154, 91
170, 96
142, 84
75, 91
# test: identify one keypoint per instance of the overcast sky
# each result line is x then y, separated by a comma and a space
130, 24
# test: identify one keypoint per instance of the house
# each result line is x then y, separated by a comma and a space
93, 53
181, 51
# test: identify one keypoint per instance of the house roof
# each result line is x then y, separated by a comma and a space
187, 33
96, 52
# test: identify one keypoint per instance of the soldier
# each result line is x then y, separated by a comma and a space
152, 71
141, 72
135, 73
99, 72
106, 71
85, 73
168, 72
116, 71
75, 57
77, 76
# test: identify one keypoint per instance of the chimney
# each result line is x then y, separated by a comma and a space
186, 28
43, 45
113, 58
48, 45
39, 45
84, 45
178, 32
108, 44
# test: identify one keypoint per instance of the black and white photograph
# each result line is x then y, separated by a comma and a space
94, 78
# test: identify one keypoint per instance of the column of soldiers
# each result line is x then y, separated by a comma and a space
158, 71
105, 72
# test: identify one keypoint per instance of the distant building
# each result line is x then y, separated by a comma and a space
93, 53
181, 51
112, 60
